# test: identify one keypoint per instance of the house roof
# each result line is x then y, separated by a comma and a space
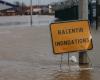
6, 5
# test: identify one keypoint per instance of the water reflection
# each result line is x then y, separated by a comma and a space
81, 75
85, 75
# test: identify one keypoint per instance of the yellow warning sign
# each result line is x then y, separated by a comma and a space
71, 36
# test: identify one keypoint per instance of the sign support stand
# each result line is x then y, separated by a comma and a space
68, 62
88, 67
61, 62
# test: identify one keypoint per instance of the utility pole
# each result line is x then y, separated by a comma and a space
83, 15
31, 13
22, 8
96, 15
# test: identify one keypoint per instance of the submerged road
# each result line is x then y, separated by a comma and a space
26, 54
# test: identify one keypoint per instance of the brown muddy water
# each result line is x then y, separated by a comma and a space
26, 54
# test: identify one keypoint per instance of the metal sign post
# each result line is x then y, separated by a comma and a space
68, 62
61, 62
31, 13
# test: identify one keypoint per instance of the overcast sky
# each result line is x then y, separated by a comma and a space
34, 1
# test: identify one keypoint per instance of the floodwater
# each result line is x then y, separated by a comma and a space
23, 21
26, 53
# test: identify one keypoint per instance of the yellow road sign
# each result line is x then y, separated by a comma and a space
71, 36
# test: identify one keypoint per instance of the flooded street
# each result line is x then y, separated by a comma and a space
26, 53
24, 21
